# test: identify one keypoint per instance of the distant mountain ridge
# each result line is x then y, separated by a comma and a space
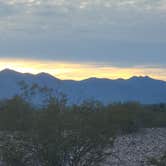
142, 89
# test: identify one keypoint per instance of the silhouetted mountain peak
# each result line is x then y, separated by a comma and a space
44, 75
138, 88
141, 78
94, 79
9, 72
91, 79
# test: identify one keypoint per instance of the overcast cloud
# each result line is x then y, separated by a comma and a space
119, 32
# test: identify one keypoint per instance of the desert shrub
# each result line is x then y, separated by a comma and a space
65, 135
125, 117
16, 114
73, 137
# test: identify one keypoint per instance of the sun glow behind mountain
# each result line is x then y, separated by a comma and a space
79, 71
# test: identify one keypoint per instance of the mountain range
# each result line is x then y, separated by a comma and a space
142, 89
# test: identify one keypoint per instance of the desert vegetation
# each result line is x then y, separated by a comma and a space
64, 135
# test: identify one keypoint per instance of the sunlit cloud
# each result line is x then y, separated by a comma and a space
79, 71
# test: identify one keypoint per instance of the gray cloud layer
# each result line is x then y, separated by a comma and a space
124, 32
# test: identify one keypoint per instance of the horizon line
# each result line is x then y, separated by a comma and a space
120, 78
81, 71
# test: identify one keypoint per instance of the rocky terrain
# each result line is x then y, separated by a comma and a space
136, 149
128, 150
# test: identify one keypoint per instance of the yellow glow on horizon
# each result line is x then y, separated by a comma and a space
78, 71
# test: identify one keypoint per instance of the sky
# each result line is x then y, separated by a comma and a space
77, 39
